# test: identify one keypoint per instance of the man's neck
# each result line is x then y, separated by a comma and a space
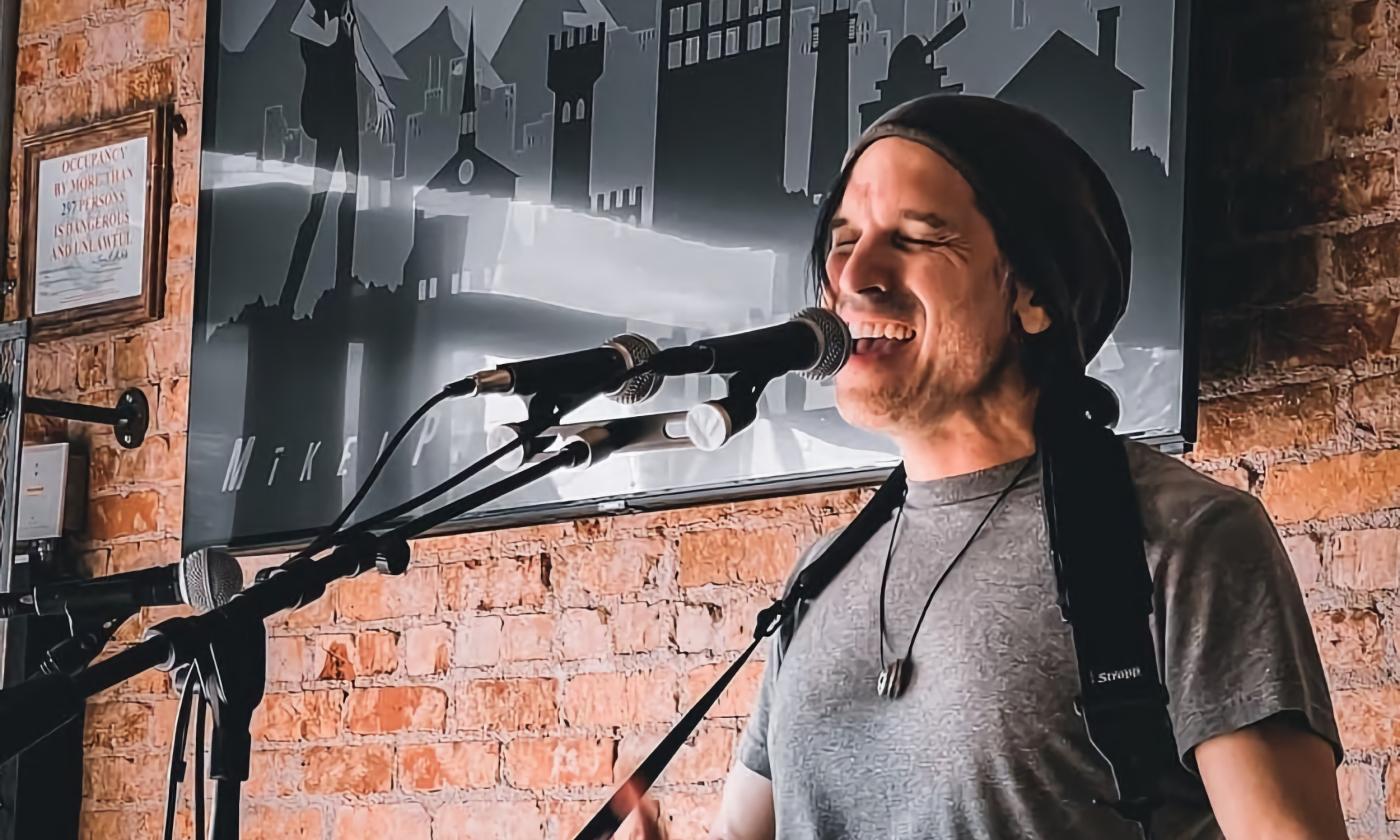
973, 439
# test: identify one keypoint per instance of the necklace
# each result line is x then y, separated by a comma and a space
894, 676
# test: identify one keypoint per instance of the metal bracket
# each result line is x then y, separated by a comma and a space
129, 419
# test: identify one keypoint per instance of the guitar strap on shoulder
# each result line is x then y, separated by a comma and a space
1105, 594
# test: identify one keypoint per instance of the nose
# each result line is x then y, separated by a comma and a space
866, 273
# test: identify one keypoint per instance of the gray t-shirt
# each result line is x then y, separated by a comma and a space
984, 743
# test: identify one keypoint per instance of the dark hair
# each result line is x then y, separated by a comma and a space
1039, 361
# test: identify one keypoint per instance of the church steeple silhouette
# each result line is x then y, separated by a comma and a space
468, 125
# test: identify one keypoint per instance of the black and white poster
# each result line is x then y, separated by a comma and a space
397, 193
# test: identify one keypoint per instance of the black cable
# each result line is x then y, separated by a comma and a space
199, 735
330, 532
178, 740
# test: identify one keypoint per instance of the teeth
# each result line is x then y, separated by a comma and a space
871, 329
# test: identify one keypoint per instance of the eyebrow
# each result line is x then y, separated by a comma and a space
931, 219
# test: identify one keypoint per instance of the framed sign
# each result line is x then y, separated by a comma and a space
96, 201
398, 193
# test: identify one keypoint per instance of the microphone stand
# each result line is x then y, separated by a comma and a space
228, 644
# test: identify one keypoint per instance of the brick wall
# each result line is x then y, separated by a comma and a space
502, 685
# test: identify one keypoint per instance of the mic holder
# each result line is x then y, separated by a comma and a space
712, 424
129, 419
89, 635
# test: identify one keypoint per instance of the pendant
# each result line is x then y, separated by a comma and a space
892, 680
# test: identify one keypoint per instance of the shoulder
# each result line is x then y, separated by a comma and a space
1173, 496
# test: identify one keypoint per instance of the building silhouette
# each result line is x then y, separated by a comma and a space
914, 71
832, 37
721, 117
575, 65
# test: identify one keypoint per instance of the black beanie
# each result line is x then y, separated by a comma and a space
1056, 218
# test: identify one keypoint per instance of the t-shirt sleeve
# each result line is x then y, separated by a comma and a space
1238, 647
753, 744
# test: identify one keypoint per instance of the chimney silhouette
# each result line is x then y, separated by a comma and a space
1108, 34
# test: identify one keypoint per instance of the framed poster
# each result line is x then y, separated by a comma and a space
95, 202
397, 193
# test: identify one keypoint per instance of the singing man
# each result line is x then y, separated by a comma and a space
975, 250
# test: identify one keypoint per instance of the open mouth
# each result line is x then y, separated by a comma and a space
878, 339
878, 346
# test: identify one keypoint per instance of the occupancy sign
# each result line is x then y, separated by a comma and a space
90, 237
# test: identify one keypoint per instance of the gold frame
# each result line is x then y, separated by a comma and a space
155, 124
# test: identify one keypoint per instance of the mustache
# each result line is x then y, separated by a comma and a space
900, 308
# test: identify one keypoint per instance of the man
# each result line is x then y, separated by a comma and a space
978, 254
332, 49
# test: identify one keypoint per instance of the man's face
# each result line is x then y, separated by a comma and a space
915, 270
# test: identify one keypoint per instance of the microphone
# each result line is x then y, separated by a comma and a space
815, 343
579, 372
206, 579
644, 433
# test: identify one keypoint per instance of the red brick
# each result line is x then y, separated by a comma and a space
335, 657
416, 708
586, 571
1342, 485
1367, 256
458, 764
508, 705
359, 769
639, 627
286, 659
299, 716
738, 698
1360, 788
1392, 790
620, 699
1331, 335
378, 652
583, 634
152, 30
510, 820
372, 597
707, 755
688, 814
120, 778
406, 821
1366, 718
72, 54
1326, 191
31, 64
94, 364
1349, 639
526, 637
1375, 405
128, 822
1357, 105
109, 725
131, 358
479, 641
1367, 560
495, 584
540, 763
273, 772
1292, 417
565, 817
734, 555
428, 650
1306, 557
113, 517
272, 822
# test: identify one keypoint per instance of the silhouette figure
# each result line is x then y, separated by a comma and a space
332, 51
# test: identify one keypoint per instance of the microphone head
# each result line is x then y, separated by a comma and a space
210, 578
638, 350
833, 342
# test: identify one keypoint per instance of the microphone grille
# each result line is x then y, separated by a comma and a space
638, 350
209, 578
834, 342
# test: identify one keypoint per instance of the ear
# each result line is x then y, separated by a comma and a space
1032, 317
